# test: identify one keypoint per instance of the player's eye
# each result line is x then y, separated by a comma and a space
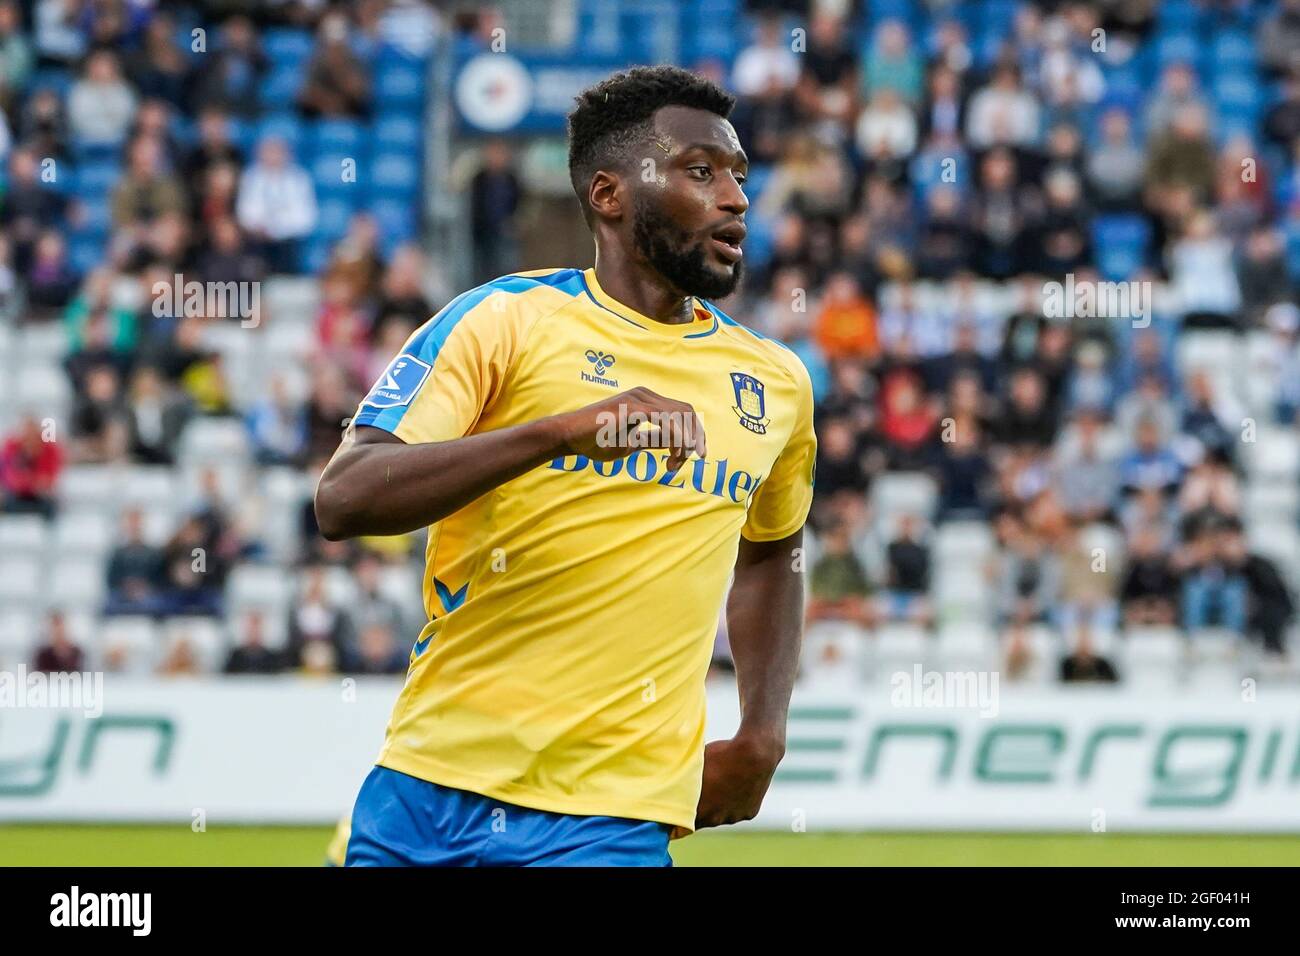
740, 179
704, 171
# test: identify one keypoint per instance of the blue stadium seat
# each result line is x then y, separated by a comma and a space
315, 255
242, 133
1000, 12
327, 171
280, 87
285, 126
1121, 242
396, 220
1177, 48
395, 172
287, 46
97, 216
96, 178
1182, 15
1293, 250
52, 78
399, 84
905, 10
84, 152
334, 214
1233, 49
396, 131
85, 254
1238, 91
338, 135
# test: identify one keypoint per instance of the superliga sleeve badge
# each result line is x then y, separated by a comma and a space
749, 402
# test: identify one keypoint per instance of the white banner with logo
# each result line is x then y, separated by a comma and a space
295, 751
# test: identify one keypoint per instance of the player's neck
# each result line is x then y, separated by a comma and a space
641, 289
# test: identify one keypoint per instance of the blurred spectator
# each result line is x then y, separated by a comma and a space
845, 326
401, 291
964, 475
278, 426
1262, 274
15, 55
31, 206
58, 653
1214, 587
227, 257
892, 64
179, 658
907, 418
1150, 464
1086, 600
494, 195
1086, 474
101, 104
214, 146
146, 192
156, 416
159, 68
1179, 160
1175, 93
251, 655
907, 575
1028, 580
1149, 594
1115, 166
1203, 274
193, 571
840, 587
377, 651
228, 76
277, 204
136, 569
336, 83
1003, 113
768, 65
99, 433
316, 619
30, 463
1083, 664
51, 282
827, 85
371, 605
356, 263
43, 127
1271, 606
1278, 36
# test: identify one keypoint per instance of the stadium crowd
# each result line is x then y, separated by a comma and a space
1046, 489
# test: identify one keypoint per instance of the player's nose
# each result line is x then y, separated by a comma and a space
732, 197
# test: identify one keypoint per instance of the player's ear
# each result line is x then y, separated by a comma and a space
607, 195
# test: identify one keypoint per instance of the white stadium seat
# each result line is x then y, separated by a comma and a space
27, 534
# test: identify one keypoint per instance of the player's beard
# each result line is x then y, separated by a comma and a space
670, 252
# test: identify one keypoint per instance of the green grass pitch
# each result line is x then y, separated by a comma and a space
72, 845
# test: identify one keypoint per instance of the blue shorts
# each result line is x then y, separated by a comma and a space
400, 820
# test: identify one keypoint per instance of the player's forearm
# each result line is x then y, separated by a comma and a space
389, 487
765, 629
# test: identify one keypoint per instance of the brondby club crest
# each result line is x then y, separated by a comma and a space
749, 402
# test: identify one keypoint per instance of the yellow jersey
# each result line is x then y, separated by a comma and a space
573, 609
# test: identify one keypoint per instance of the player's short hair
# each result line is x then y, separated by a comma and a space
616, 114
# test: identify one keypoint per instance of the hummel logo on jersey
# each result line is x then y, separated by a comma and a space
601, 361
399, 383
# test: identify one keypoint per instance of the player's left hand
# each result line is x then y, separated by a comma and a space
737, 773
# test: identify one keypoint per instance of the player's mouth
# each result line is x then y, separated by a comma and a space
726, 242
